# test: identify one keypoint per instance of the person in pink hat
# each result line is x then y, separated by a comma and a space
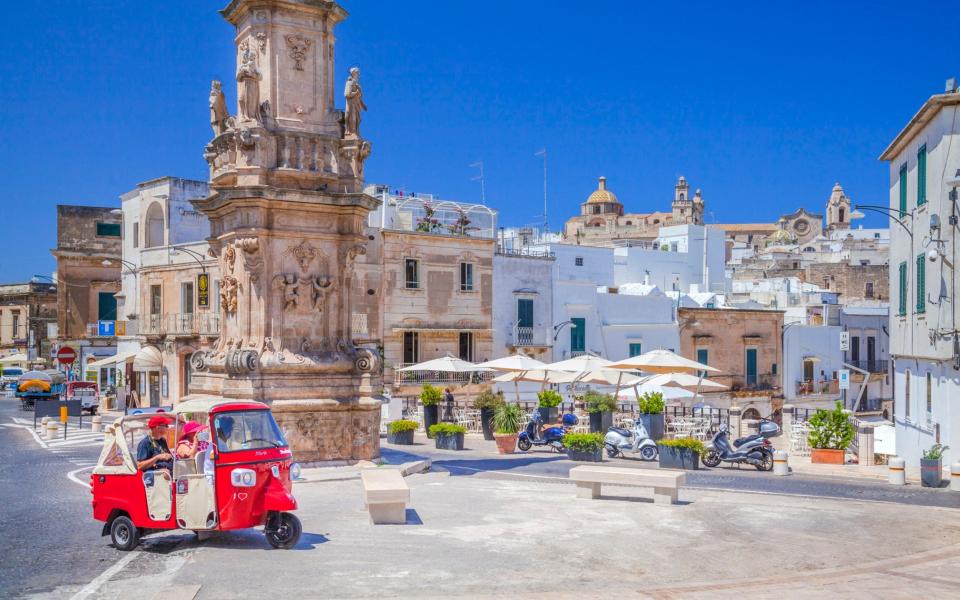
189, 445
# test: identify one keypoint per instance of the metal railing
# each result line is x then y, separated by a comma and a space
530, 336
437, 377
526, 253
758, 382
870, 366
186, 324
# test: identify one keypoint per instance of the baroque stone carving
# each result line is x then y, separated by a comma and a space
229, 259
304, 253
241, 361
362, 153
228, 294
321, 286
298, 46
218, 109
366, 361
248, 85
288, 284
199, 361
252, 256
262, 41
353, 94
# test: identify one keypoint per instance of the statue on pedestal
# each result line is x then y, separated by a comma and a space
248, 86
353, 94
218, 109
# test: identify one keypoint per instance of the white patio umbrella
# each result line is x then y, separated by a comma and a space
685, 381
447, 364
537, 376
520, 363
662, 361
580, 364
669, 393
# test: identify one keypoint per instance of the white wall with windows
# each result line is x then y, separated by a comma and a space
522, 303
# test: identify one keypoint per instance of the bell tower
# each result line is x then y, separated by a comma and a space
287, 216
838, 209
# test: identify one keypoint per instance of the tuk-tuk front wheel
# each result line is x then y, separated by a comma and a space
124, 535
286, 532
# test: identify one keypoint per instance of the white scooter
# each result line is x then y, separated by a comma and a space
619, 441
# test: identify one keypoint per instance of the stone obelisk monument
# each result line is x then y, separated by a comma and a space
287, 214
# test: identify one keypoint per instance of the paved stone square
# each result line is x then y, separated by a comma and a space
473, 537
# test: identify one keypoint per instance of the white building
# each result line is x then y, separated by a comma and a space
924, 163
811, 361
523, 303
687, 258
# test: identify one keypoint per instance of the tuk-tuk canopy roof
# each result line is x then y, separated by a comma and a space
206, 404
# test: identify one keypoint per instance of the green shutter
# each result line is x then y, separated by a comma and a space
903, 289
921, 284
578, 334
635, 350
922, 176
903, 191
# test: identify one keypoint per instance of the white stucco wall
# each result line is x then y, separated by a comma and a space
809, 341
521, 277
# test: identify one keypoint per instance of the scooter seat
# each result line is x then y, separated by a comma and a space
621, 431
749, 438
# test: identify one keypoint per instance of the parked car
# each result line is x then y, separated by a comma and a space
9, 378
88, 392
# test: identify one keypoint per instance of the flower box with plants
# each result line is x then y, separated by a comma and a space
486, 402
831, 432
650, 407
681, 453
430, 397
448, 436
507, 422
601, 408
931, 466
401, 432
586, 447
548, 402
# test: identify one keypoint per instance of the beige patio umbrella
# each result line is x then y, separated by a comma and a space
518, 363
446, 364
580, 364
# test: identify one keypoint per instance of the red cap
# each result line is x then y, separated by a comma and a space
158, 421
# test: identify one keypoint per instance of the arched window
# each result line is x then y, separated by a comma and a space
682, 196
843, 213
154, 226
629, 223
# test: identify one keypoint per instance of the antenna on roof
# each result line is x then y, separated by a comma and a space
543, 152
483, 191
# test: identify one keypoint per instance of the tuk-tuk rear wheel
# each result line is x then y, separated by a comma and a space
287, 532
124, 534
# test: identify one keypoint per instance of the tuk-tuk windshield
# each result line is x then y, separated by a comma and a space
247, 430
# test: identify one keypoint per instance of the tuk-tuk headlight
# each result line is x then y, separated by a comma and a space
243, 478
295, 471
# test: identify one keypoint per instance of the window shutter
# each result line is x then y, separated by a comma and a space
921, 284
903, 190
922, 176
903, 289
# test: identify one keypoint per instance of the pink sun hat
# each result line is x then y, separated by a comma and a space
191, 427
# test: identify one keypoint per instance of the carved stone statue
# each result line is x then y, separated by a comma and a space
218, 109
289, 284
248, 88
321, 285
353, 94
228, 294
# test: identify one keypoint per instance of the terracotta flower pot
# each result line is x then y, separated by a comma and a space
506, 442
827, 456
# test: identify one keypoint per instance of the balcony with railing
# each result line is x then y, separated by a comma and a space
818, 389
530, 337
180, 324
759, 382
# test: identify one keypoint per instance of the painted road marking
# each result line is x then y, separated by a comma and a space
72, 476
94, 586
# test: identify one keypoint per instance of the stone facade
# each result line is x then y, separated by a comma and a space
602, 221
287, 218
25, 311
88, 278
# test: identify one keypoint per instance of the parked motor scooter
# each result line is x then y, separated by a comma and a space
551, 436
756, 450
619, 441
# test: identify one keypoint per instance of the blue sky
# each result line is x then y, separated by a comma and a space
764, 105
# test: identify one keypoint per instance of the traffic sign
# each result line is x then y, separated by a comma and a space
66, 355
844, 341
106, 328
844, 376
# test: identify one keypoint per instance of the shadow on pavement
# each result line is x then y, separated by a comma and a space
396, 457
468, 467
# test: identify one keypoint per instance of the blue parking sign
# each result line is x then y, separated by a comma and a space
106, 328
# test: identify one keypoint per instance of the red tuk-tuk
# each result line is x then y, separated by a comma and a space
242, 479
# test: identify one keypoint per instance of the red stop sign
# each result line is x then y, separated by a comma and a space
66, 355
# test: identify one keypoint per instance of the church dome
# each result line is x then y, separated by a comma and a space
602, 195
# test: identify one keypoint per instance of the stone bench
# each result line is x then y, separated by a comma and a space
665, 483
385, 495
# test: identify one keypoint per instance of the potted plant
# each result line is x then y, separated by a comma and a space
587, 447
931, 466
549, 400
448, 436
507, 421
486, 403
681, 453
401, 432
430, 397
601, 408
650, 408
830, 433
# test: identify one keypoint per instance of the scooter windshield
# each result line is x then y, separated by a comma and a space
247, 430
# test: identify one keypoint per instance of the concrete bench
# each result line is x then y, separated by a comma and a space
665, 483
385, 495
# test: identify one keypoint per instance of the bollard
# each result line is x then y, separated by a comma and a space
96, 424
898, 471
43, 423
780, 464
53, 429
955, 476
